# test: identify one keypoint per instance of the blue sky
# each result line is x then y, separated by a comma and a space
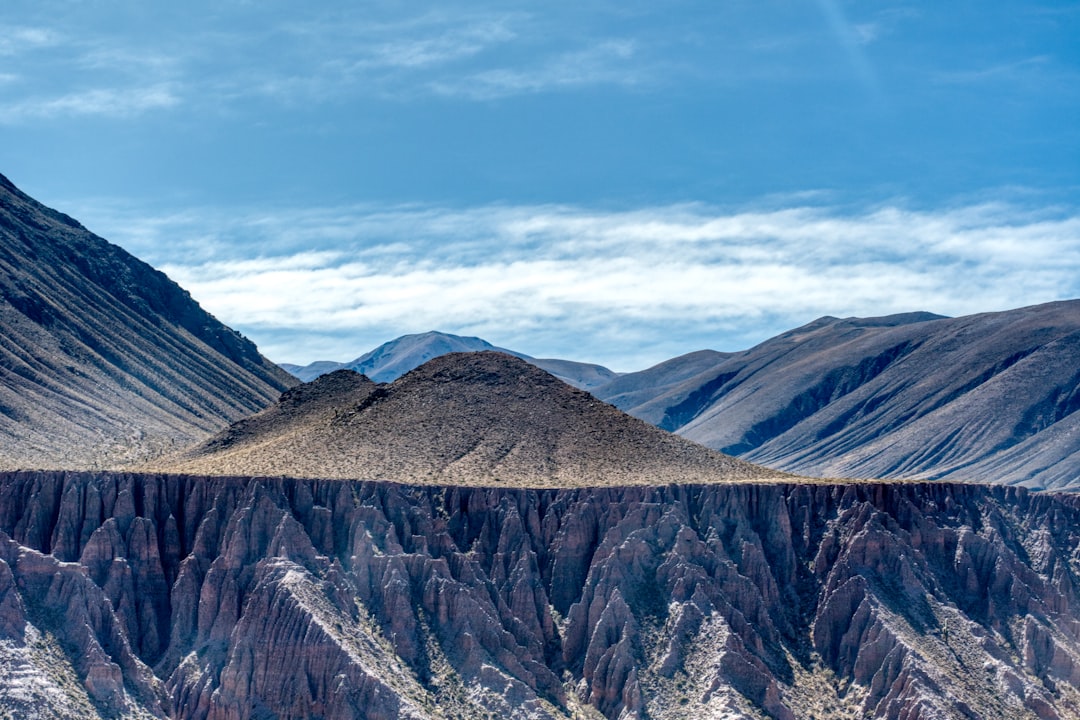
616, 182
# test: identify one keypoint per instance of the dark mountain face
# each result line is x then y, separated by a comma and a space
472, 418
104, 360
989, 397
215, 598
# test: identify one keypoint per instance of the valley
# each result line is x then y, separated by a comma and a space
189, 532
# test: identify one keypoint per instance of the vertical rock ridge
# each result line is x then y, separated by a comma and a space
371, 600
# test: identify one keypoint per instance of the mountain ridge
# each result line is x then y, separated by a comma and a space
939, 398
104, 361
823, 399
394, 358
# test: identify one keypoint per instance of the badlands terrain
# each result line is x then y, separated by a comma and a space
188, 532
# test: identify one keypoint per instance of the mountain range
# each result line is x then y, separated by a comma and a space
478, 418
470, 537
990, 397
393, 359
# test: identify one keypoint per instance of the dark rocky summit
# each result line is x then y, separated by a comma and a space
210, 597
990, 397
104, 361
463, 418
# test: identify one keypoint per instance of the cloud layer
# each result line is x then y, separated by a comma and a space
328, 57
621, 288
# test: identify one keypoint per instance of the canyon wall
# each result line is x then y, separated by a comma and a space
138, 595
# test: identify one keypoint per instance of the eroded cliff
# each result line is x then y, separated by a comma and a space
213, 598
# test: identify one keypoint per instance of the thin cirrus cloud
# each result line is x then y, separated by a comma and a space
441, 47
467, 56
608, 62
626, 289
1015, 70
104, 102
17, 40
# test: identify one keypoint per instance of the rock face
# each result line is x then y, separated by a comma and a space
463, 418
907, 396
204, 597
103, 360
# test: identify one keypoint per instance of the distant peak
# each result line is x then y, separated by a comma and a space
908, 318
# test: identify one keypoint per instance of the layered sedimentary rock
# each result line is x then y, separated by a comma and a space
304, 598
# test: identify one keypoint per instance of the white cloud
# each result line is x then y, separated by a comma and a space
16, 40
442, 47
106, 102
622, 288
865, 33
607, 62
332, 56
1011, 71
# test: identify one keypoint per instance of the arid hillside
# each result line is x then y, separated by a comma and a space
104, 361
464, 418
990, 397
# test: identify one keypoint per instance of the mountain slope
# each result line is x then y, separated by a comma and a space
393, 359
636, 391
104, 360
252, 598
466, 418
988, 397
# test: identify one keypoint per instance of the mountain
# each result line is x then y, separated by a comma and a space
990, 397
103, 360
637, 390
463, 418
307, 373
393, 359
187, 597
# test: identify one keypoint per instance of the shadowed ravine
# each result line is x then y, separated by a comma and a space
214, 597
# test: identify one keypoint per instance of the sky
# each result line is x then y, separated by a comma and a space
612, 182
